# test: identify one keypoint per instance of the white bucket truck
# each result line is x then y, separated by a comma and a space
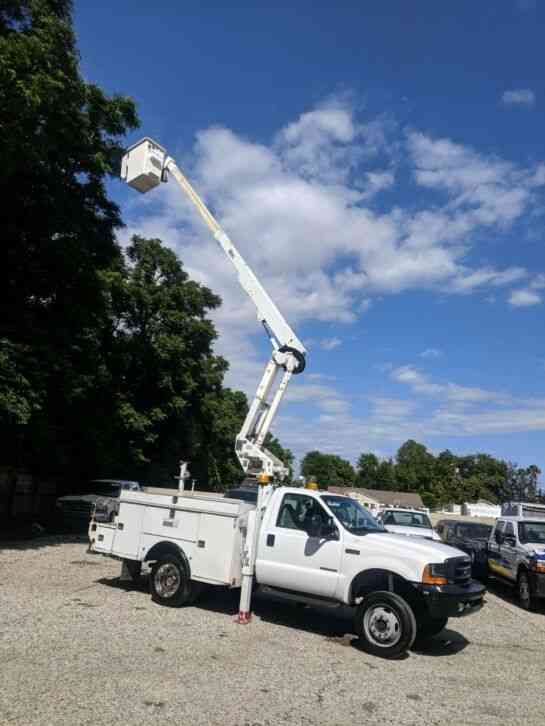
299, 544
311, 547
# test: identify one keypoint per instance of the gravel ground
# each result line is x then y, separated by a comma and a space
78, 647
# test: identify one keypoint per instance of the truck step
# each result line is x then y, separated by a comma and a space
294, 596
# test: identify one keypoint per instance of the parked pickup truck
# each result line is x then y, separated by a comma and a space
516, 555
471, 538
312, 547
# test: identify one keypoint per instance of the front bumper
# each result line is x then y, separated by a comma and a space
453, 601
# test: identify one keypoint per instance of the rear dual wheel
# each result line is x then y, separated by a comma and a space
386, 624
170, 584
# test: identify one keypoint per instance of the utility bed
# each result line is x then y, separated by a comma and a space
207, 526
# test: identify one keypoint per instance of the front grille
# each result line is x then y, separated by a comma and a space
459, 570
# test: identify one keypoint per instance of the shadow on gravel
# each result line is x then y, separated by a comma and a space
448, 642
507, 593
141, 585
30, 542
333, 623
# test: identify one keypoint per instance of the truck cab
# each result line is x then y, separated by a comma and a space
516, 555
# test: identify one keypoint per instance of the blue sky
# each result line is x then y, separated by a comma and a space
382, 169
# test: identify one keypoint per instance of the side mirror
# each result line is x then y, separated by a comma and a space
499, 537
314, 528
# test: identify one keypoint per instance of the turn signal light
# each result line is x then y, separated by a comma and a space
538, 566
431, 576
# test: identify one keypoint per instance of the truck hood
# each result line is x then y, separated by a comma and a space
537, 548
399, 544
414, 531
88, 498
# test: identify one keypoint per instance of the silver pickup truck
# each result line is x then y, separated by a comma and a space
516, 555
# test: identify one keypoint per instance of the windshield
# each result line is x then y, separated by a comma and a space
353, 517
474, 531
532, 532
406, 519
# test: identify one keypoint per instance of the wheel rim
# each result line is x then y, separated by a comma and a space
524, 590
382, 626
167, 580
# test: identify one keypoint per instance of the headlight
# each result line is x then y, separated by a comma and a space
435, 574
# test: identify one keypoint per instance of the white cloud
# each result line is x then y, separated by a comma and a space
538, 283
431, 353
483, 191
421, 384
391, 408
330, 343
519, 97
524, 298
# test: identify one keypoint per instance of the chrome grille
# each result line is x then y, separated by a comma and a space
459, 570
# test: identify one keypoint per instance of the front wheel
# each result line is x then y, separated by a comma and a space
523, 591
386, 624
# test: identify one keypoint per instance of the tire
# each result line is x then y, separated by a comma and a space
385, 624
169, 583
427, 627
524, 594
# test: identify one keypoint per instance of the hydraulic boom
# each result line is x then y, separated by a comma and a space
144, 166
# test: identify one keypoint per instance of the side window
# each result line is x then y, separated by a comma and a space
500, 527
297, 510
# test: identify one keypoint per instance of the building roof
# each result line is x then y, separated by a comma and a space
386, 498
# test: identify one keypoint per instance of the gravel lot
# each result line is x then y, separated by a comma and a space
77, 647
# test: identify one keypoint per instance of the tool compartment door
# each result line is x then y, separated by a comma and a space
215, 548
127, 535
103, 537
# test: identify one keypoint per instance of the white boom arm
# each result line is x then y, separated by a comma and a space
144, 165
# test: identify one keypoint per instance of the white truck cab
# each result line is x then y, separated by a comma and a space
312, 547
516, 554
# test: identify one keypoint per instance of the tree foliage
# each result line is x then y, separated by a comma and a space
60, 138
328, 469
106, 357
447, 478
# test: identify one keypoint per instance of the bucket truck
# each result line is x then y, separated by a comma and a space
298, 544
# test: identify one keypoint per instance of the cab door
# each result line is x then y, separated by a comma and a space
495, 560
290, 558
509, 551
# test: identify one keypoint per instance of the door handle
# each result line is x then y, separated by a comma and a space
270, 540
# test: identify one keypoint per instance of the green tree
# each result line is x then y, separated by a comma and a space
386, 476
329, 469
414, 466
164, 384
367, 471
60, 140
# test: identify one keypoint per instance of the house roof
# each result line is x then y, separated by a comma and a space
386, 498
